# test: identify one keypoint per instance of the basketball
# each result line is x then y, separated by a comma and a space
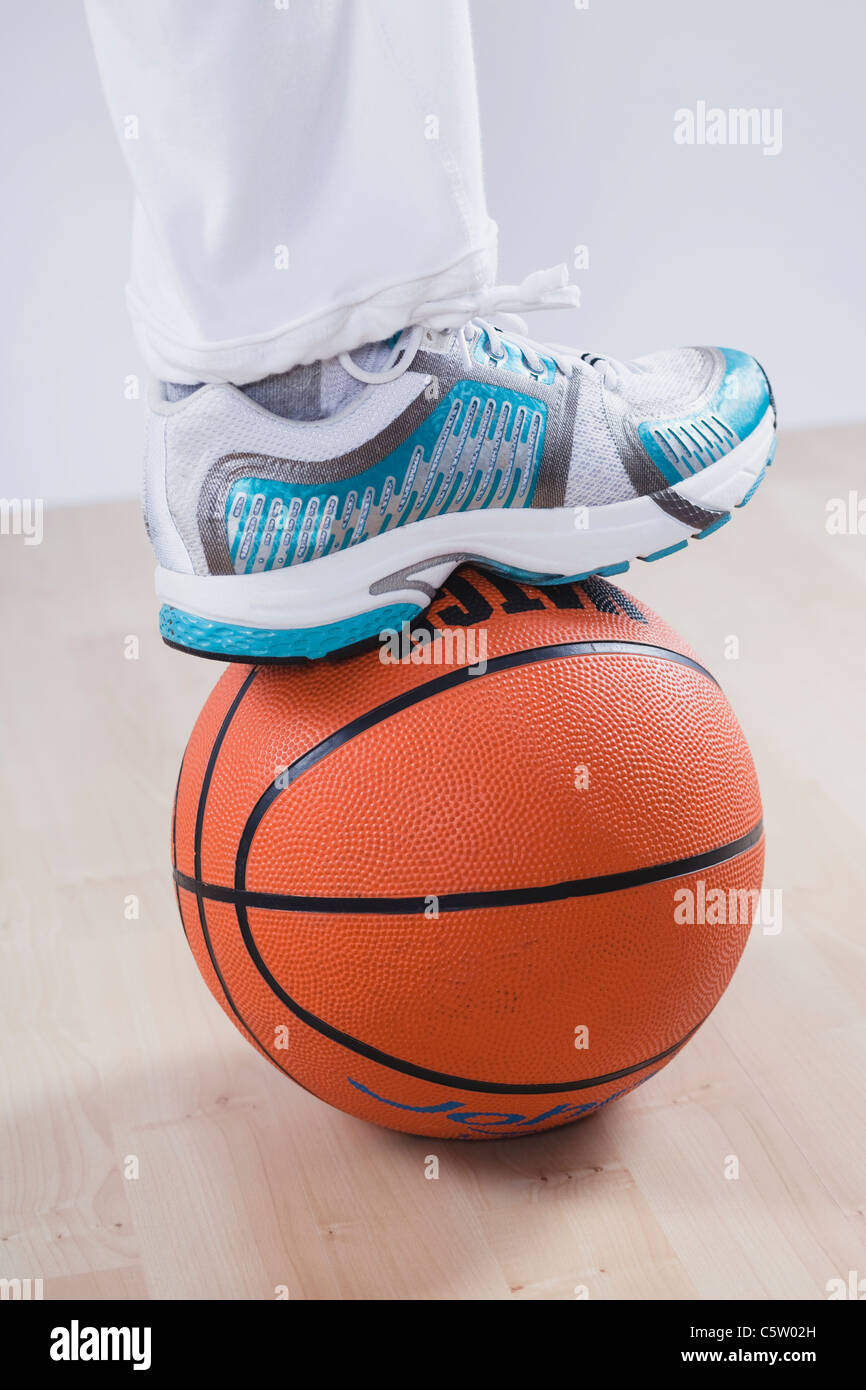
484, 879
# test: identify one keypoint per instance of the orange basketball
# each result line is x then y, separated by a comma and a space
483, 880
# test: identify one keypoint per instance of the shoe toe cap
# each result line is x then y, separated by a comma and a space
745, 393
686, 441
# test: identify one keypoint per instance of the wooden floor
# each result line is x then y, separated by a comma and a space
115, 1059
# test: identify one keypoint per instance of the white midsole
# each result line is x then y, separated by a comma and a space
557, 541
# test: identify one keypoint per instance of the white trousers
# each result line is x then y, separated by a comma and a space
307, 174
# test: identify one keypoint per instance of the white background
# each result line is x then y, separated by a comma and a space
702, 244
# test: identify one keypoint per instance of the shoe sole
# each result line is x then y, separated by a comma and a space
341, 600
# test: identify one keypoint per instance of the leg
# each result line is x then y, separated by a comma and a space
306, 175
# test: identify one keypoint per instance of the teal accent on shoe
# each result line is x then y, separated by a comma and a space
715, 526
431, 497
744, 394
667, 448
534, 577
614, 569
761, 476
511, 359
512, 572
683, 445
467, 501
273, 523
660, 554
755, 485
263, 644
513, 490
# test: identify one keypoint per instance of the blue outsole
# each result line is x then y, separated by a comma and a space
668, 550
542, 580
235, 643
231, 642
714, 527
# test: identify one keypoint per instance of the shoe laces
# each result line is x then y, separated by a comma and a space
495, 311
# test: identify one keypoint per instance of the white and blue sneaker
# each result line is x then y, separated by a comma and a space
309, 512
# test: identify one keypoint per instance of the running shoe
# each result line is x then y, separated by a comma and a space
293, 530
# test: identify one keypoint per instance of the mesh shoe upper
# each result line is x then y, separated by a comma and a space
480, 418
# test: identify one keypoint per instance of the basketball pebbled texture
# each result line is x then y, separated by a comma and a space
415, 889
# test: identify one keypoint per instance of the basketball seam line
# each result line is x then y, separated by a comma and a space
203, 794
199, 824
483, 898
174, 845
